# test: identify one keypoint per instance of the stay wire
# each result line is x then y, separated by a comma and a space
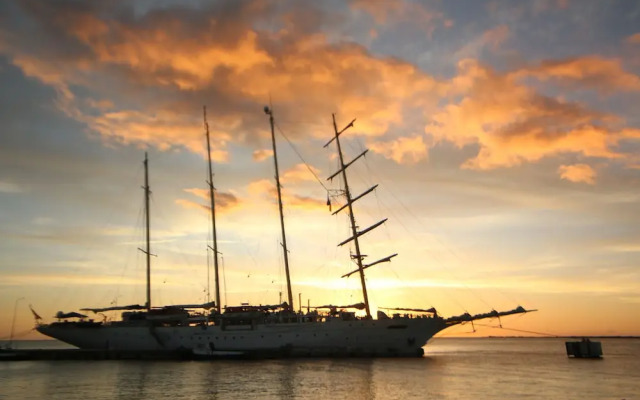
519, 330
383, 184
301, 158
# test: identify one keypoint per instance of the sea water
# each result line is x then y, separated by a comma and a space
478, 368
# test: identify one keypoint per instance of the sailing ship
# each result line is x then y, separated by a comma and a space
208, 330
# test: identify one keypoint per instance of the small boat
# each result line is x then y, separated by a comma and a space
585, 348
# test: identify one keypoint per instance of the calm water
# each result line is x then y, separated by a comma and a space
451, 369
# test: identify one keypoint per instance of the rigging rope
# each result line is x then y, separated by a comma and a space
440, 264
300, 156
406, 209
519, 330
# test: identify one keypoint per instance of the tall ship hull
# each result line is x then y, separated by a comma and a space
395, 337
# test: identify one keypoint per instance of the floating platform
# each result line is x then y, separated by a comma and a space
584, 349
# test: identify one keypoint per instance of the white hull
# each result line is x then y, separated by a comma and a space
398, 337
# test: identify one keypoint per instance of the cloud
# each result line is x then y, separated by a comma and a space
164, 129
10, 187
134, 78
492, 39
496, 37
381, 11
263, 186
305, 202
578, 173
138, 77
605, 75
224, 201
512, 124
634, 39
192, 205
262, 154
267, 191
198, 192
404, 150
300, 173
390, 13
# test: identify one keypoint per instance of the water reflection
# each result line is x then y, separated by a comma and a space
131, 379
453, 369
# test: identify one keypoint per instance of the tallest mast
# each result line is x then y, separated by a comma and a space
269, 112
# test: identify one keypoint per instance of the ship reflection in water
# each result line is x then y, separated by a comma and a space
452, 369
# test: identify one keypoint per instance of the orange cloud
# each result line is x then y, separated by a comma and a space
165, 129
169, 61
194, 64
578, 173
305, 202
224, 201
634, 39
600, 73
513, 124
169, 64
262, 186
192, 204
300, 172
404, 150
262, 154
198, 192
267, 190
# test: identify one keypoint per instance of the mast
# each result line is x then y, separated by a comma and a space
358, 257
354, 228
284, 237
13, 323
213, 218
148, 249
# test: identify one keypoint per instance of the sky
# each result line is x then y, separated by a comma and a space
504, 136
